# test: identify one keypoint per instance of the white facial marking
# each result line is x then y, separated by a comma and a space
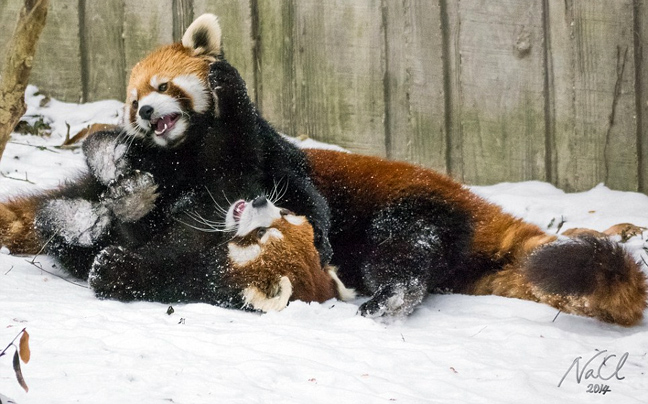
271, 233
195, 89
241, 256
295, 220
257, 299
156, 81
253, 218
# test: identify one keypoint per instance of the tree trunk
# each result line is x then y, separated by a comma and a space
15, 72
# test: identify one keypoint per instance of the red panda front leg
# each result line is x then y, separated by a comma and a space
415, 246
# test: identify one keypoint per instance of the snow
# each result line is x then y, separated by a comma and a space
453, 349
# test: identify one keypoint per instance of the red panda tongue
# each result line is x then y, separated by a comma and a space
238, 210
165, 123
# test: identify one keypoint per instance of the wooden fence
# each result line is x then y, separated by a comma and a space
486, 90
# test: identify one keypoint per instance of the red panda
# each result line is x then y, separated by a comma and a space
273, 260
400, 230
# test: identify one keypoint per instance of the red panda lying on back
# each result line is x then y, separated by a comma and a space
273, 260
400, 231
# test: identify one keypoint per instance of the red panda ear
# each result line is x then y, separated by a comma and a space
204, 36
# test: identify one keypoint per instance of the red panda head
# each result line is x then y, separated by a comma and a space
273, 258
265, 231
169, 86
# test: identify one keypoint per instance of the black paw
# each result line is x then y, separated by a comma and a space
393, 301
223, 77
230, 92
324, 248
130, 197
113, 275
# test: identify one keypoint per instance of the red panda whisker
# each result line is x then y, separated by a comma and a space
218, 207
226, 198
206, 230
198, 218
274, 195
282, 191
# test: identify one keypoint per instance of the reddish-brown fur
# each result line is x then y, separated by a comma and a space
293, 256
377, 181
166, 62
374, 182
17, 225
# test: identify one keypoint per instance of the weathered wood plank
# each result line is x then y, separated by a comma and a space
592, 51
339, 72
103, 50
499, 90
235, 17
144, 31
641, 74
9, 10
182, 11
415, 124
276, 64
57, 65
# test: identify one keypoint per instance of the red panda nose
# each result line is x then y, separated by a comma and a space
259, 202
145, 112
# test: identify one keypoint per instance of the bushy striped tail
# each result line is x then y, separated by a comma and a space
17, 225
588, 276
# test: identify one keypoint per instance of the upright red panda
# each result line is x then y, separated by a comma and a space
189, 128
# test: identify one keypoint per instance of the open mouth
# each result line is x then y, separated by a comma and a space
164, 123
239, 207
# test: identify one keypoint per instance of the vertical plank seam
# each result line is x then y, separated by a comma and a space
181, 20
83, 51
122, 36
292, 51
256, 54
620, 69
549, 104
447, 87
385, 81
638, 65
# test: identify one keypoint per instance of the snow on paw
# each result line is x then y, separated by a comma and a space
105, 155
77, 221
393, 301
228, 89
260, 300
130, 197
112, 277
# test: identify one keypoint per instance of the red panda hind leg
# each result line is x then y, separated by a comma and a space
585, 276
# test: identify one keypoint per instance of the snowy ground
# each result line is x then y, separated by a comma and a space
453, 349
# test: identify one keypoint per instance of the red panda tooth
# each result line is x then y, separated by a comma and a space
162, 131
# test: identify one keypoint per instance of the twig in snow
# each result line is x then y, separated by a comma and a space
37, 265
33, 145
18, 179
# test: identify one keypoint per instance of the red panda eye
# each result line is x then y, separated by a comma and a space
135, 104
163, 87
286, 212
261, 231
